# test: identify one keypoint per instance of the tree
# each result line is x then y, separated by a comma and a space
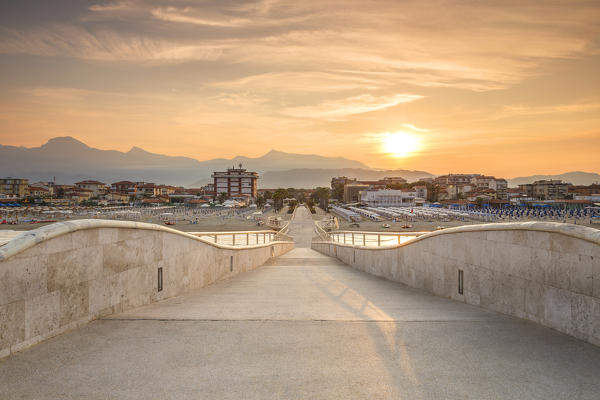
278, 197
260, 202
222, 197
321, 195
338, 192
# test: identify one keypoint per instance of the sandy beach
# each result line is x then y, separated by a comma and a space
205, 224
216, 223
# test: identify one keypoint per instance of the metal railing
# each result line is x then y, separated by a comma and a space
242, 238
368, 239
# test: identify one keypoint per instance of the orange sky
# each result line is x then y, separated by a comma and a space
496, 87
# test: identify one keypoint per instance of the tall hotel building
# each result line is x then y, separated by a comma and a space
236, 182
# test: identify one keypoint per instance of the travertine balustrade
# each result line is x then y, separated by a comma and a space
63, 275
544, 272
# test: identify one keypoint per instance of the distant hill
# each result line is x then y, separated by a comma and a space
70, 160
575, 177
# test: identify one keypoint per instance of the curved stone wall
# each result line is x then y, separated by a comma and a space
548, 273
63, 275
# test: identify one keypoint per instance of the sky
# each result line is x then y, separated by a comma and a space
508, 88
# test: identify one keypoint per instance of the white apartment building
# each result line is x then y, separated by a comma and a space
96, 187
491, 182
390, 198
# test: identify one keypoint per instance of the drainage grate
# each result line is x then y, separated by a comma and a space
160, 279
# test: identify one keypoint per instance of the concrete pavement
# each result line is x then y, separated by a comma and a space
305, 326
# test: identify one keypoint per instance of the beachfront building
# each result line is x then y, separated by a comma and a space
78, 195
394, 180
125, 187
341, 181
390, 198
352, 192
117, 198
499, 186
96, 187
14, 187
147, 189
236, 182
454, 179
553, 189
39, 191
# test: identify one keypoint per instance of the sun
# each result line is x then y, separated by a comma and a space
400, 144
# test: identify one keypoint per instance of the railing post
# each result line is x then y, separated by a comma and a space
233, 239
256, 237
215, 238
378, 240
353, 238
344, 237
247, 239
398, 239
364, 239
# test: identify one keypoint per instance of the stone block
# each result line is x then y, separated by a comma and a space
581, 273
539, 263
518, 237
595, 318
494, 256
121, 256
21, 278
99, 295
54, 245
518, 261
558, 273
537, 240
582, 310
72, 267
488, 287
108, 235
85, 238
535, 299
42, 314
497, 236
596, 275
557, 309
470, 278
564, 244
74, 303
12, 323
472, 298
514, 293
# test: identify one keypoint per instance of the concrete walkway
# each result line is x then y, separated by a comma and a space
305, 326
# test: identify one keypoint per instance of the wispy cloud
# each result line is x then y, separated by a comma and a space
173, 14
512, 111
103, 45
476, 46
350, 106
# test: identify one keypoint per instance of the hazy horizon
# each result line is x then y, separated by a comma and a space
502, 88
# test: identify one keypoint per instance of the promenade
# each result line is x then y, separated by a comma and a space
305, 326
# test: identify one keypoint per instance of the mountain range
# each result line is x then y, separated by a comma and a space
575, 177
68, 160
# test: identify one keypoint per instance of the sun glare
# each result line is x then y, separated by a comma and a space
400, 144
